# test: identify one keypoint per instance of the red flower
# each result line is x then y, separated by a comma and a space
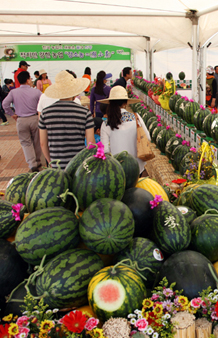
4, 331
179, 181
216, 309
74, 321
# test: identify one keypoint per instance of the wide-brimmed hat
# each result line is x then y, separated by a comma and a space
66, 86
42, 71
118, 93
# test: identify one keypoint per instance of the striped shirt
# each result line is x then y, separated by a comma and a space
66, 123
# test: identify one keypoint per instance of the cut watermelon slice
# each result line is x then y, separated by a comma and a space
109, 295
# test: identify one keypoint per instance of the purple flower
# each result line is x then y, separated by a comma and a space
213, 316
168, 292
156, 201
167, 305
202, 174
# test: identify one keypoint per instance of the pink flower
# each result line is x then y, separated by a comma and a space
16, 213
154, 296
167, 127
100, 151
137, 97
156, 201
176, 93
23, 332
158, 116
184, 143
186, 98
145, 107
213, 111
175, 195
205, 303
193, 149
213, 316
196, 302
202, 107
159, 125
191, 100
150, 111
188, 143
142, 104
141, 324
91, 323
204, 311
168, 292
23, 321
132, 333
178, 135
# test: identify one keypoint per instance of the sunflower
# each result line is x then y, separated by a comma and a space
191, 309
46, 325
43, 334
158, 310
13, 329
147, 303
183, 302
97, 333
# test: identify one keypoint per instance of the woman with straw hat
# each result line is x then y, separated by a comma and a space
65, 124
118, 132
43, 81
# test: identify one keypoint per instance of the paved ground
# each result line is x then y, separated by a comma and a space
12, 160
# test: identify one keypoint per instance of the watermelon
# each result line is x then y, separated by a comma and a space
199, 117
142, 253
214, 129
8, 224
204, 197
138, 201
190, 108
172, 102
178, 154
147, 116
66, 277
178, 102
130, 166
189, 270
107, 226
78, 159
182, 76
46, 187
163, 137
152, 126
171, 144
182, 107
16, 188
13, 269
97, 178
185, 197
186, 163
171, 232
115, 292
188, 213
47, 232
156, 132
204, 239
150, 120
207, 124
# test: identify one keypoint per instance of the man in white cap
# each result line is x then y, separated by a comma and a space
64, 125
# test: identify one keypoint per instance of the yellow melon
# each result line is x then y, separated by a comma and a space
153, 187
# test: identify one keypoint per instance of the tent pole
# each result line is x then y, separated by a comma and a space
151, 65
147, 58
194, 58
203, 55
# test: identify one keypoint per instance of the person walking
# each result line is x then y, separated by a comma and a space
87, 75
2, 113
127, 75
43, 82
25, 100
98, 92
64, 125
211, 87
119, 131
23, 66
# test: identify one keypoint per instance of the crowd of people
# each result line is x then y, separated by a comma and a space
50, 118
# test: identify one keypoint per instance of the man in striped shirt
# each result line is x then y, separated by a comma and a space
64, 125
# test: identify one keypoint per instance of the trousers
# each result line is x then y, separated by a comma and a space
28, 133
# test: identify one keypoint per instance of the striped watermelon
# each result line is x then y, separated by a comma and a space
204, 236
97, 178
186, 163
107, 226
7, 223
182, 107
47, 232
156, 132
199, 117
172, 102
188, 213
16, 188
171, 144
65, 279
147, 116
152, 126
178, 102
75, 162
115, 292
204, 197
207, 124
214, 130
150, 121
171, 232
190, 108
185, 197
178, 154
142, 253
130, 166
163, 137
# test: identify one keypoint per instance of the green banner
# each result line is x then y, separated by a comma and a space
60, 52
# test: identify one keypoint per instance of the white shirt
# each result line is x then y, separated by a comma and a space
46, 101
124, 138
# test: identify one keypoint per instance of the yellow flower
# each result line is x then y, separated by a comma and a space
158, 310
183, 301
97, 333
147, 303
8, 318
13, 329
191, 309
46, 326
43, 334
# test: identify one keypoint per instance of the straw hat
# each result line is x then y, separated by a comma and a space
118, 93
66, 86
42, 71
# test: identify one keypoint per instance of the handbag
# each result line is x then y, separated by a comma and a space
144, 151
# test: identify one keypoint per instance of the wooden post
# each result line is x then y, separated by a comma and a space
184, 325
203, 328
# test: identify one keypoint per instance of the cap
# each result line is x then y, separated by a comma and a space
107, 76
23, 63
210, 70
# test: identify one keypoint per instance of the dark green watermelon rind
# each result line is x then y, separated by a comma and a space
78, 159
204, 197
7, 222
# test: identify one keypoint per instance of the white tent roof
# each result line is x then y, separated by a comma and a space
124, 22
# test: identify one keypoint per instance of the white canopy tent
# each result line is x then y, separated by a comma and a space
144, 26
